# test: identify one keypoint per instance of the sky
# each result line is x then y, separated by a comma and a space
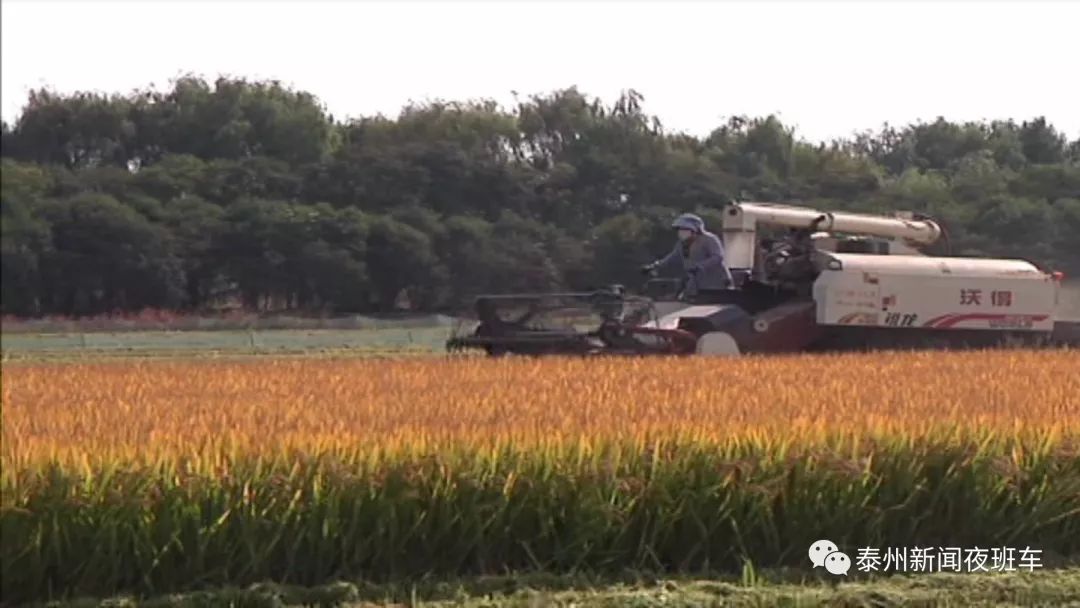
828, 69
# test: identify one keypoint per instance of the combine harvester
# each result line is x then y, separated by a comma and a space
829, 281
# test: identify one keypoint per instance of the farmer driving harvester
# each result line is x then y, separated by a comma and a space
701, 254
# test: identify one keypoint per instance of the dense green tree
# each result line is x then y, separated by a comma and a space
400, 260
24, 237
106, 256
250, 192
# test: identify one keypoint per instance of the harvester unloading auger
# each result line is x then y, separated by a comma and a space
831, 281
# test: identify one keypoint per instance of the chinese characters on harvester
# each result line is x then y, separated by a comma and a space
824, 553
974, 297
1000, 300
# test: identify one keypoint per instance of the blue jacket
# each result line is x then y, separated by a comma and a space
705, 254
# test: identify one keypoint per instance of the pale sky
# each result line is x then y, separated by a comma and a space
827, 68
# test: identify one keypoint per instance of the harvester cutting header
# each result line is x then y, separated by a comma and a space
784, 278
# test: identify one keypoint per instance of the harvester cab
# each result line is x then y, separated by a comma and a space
804, 280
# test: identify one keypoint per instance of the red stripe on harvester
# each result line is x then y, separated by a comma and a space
933, 322
953, 319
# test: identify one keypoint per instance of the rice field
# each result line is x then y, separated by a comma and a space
158, 477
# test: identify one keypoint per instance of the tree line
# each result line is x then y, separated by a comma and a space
251, 192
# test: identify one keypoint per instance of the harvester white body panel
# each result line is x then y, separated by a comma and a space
933, 293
